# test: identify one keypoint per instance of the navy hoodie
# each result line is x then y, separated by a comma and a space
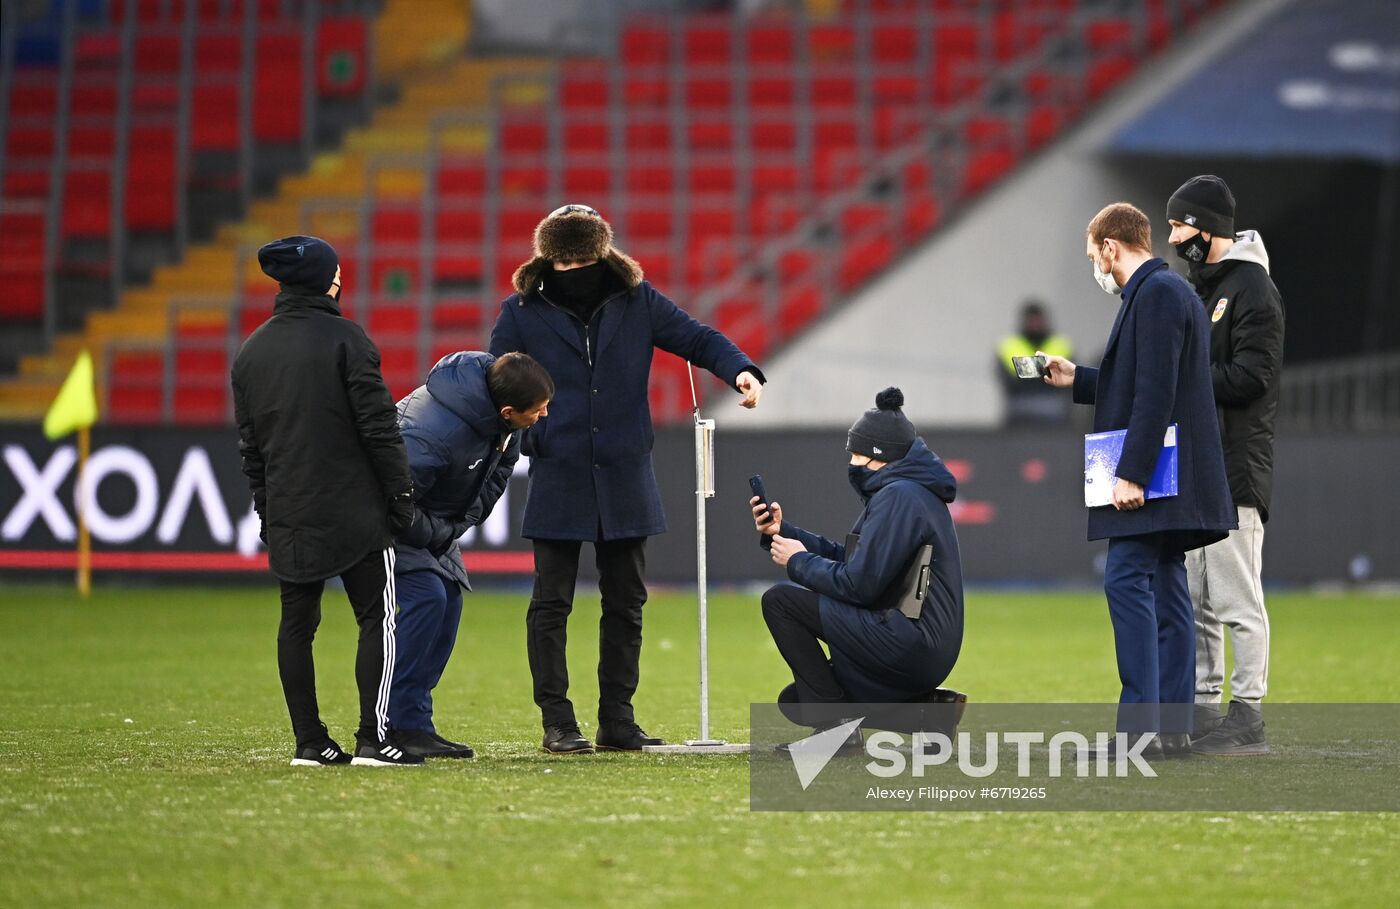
461, 455
878, 654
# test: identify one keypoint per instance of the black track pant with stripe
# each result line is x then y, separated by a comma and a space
370, 587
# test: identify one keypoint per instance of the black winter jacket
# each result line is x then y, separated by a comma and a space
1246, 356
320, 443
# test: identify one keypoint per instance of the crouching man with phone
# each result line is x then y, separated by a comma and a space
850, 595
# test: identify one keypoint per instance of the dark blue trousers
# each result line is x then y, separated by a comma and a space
430, 609
1153, 632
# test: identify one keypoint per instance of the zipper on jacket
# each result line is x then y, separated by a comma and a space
587, 336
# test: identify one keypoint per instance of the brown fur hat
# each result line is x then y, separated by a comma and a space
572, 236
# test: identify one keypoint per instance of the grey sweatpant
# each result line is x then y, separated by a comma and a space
1227, 593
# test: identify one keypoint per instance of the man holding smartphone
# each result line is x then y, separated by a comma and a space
849, 598
1155, 372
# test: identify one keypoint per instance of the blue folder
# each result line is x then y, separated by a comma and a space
1101, 453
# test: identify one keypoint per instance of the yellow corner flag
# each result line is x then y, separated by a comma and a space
76, 404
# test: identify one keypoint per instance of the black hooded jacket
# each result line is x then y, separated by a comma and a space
1246, 356
319, 438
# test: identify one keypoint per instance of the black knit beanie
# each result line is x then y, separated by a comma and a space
884, 432
1205, 203
301, 264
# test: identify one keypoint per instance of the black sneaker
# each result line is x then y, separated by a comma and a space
325, 754
1204, 720
566, 739
624, 737
459, 749
428, 744
1241, 733
384, 754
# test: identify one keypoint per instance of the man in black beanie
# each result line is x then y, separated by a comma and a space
1230, 272
326, 464
582, 309
847, 595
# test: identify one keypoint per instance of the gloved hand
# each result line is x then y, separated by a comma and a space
445, 533
401, 512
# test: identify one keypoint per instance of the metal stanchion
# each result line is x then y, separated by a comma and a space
704, 490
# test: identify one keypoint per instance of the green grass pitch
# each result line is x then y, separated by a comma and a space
144, 750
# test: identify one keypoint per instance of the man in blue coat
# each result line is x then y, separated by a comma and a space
1155, 372
582, 309
462, 431
850, 599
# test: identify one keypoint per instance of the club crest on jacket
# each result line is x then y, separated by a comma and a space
1219, 309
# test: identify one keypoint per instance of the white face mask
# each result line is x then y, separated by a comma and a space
1106, 281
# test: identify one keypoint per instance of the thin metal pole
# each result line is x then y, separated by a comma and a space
700, 574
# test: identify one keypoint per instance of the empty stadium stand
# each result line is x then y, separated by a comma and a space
760, 167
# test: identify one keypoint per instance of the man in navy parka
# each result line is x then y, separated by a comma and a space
850, 600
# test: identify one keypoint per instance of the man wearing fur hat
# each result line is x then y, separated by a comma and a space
582, 309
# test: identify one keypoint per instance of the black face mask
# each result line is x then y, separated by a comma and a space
578, 286
858, 474
1036, 337
1193, 251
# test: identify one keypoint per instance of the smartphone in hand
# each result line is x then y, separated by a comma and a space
1029, 367
756, 486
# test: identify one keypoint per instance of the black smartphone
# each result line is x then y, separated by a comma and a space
1029, 367
756, 486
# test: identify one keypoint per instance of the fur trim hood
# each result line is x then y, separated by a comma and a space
574, 236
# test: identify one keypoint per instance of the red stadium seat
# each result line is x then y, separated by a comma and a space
150, 178
458, 225
277, 88
772, 92
397, 225
584, 85
587, 181
461, 179
581, 137
895, 45
87, 203
708, 43
650, 180
650, 223
831, 43
770, 45
646, 44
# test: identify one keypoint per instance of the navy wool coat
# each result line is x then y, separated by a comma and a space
461, 454
591, 475
1155, 372
877, 653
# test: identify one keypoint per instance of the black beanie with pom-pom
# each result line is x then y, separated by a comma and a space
884, 432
